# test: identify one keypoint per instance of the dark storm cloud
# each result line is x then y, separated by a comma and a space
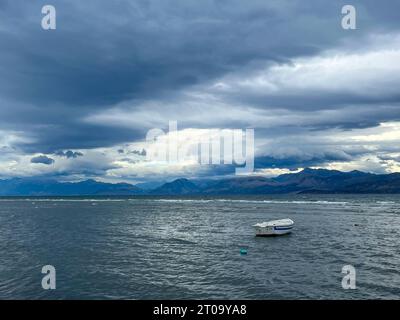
43, 160
104, 53
127, 53
295, 162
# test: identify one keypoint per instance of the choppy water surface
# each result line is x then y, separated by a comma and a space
190, 248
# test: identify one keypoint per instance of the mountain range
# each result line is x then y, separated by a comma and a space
319, 181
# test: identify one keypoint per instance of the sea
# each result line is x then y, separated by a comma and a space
200, 247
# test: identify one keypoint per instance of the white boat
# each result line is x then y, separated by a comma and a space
274, 227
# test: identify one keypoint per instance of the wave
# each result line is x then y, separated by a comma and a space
251, 201
62, 200
386, 202
315, 202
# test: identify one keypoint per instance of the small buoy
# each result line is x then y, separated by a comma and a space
243, 251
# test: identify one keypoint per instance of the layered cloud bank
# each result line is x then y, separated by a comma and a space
77, 102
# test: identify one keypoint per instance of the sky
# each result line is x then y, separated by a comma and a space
77, 102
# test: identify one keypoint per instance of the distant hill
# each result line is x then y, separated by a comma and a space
319, 181
307, 181
179, 186
32, 187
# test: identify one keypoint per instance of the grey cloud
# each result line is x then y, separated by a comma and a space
69, 154
139, 153
43, 160
129, 160
387, 157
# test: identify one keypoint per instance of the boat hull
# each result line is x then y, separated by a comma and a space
272, 231
274, 227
